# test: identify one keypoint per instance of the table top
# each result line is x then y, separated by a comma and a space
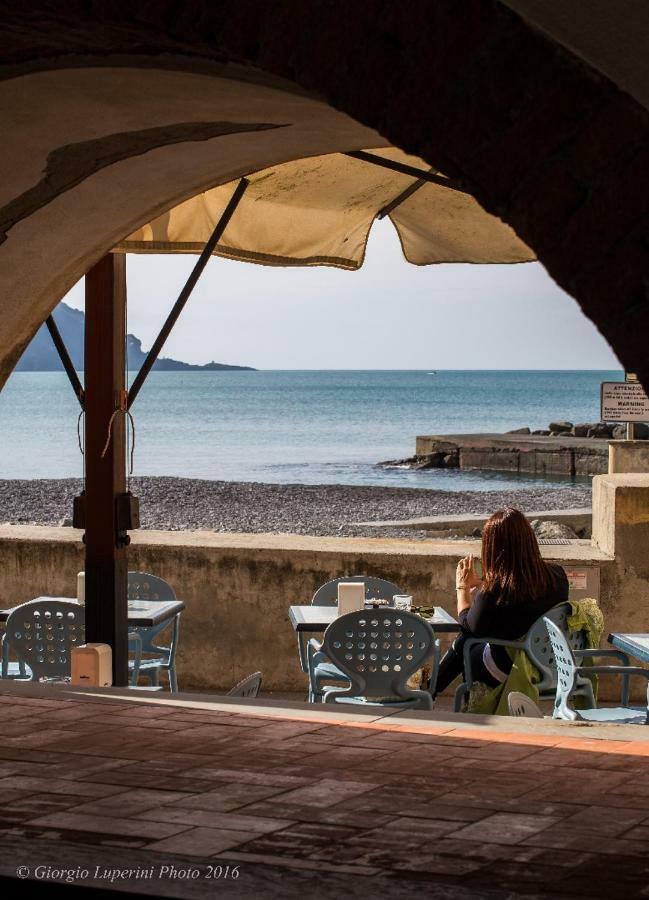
141, 613
317, 618
634, 644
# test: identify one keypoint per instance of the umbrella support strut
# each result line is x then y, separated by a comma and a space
64, 356
106, 564
405, 169
185, 294
401, 198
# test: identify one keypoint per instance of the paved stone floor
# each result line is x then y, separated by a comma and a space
295, 801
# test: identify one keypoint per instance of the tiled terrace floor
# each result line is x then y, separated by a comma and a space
307, 803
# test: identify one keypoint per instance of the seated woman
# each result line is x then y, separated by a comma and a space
516, 588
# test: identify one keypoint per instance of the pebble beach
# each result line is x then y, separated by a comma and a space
191, 504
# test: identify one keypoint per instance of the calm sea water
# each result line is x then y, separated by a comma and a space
294, 427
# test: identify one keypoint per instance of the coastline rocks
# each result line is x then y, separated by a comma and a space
641, 432
437, 460
601, 430
548, 530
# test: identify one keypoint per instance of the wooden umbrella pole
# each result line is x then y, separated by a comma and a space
106, 563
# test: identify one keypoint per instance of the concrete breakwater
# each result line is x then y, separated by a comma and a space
529, 454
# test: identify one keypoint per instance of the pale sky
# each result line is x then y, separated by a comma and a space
389, 315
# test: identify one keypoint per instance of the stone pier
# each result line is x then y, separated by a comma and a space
529, 454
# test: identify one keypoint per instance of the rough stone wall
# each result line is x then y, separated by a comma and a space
541, 139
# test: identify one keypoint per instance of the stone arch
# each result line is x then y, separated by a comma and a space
542, 138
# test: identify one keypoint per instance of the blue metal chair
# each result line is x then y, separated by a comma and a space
378, 650
314, 661
247, 687
521, 705
568, 671
153, 659
11, 669
42, 634
537, 646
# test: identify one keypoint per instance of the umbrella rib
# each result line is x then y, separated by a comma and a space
185, 294
401, 198
405, 169
68, 365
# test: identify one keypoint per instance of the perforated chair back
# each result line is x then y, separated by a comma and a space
378, 650
375, 589
143, 587
566, 670
540, 649
521, 705
42, 633
248, 687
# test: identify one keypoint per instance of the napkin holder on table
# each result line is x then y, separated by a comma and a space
81, 588
92, 664
351, 597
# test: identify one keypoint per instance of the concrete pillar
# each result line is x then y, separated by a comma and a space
628, 456
621, 519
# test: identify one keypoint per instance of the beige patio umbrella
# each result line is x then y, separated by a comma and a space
319, 211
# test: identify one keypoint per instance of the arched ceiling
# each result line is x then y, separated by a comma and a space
610, 36
114, 111
95, 152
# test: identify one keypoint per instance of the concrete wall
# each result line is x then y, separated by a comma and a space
238, 587
621, 529
628, 456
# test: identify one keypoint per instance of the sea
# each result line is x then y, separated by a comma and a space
297, 427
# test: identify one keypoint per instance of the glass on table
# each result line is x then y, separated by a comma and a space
402, 601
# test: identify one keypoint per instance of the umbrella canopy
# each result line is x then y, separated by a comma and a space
318, 211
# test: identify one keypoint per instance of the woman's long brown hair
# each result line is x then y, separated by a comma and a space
511, 560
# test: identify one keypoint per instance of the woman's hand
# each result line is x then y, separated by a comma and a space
465, 574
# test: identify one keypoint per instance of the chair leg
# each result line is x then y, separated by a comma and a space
313, 686
460, 694
5, 658
301, 647
173, 680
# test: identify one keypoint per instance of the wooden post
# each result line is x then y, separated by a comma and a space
106, 559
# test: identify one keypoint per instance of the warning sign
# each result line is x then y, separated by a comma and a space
624, 401
577, 579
